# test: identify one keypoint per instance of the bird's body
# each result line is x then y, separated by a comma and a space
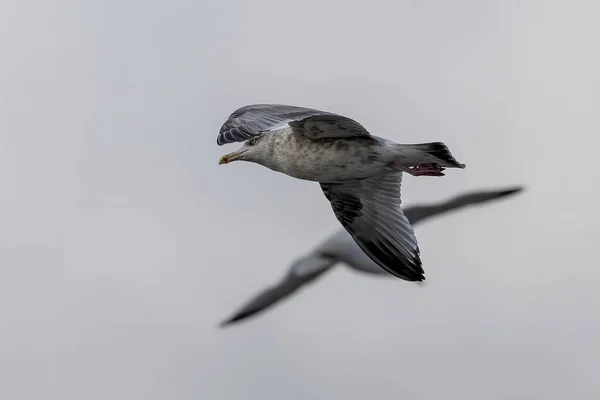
360, 174
326, 160
337, 160
332, 160
340, 247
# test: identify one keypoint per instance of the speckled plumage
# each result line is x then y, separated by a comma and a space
323, 160
360, 174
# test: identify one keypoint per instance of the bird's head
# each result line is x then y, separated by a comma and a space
250, 151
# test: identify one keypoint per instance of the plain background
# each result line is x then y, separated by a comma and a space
123, 243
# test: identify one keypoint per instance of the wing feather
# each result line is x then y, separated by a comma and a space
302, 272
253, 120
369, 210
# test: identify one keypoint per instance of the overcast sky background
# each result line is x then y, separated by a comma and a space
123, 243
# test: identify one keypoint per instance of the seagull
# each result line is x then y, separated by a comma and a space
340, 248
360, 174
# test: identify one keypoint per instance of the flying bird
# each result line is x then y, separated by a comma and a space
360, 174
341, 248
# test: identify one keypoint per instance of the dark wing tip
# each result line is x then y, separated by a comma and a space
243, 315
228, 132
237, 318
221, 140
483, 196
415, 275
511, 191
224, 324
408, 268
411, 276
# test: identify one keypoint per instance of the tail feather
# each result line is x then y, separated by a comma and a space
434, 152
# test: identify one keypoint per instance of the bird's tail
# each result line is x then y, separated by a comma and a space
424, 153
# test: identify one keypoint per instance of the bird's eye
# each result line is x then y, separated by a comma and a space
252, 142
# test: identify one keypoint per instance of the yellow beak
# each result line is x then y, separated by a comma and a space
227, 158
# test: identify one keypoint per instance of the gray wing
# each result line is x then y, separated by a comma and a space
357, 260
303, 271
252, 120
416, 214
369, 210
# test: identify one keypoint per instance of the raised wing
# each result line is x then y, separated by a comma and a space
369, 210
303, 271
250, 121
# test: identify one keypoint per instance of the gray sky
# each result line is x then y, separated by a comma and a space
123, 243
